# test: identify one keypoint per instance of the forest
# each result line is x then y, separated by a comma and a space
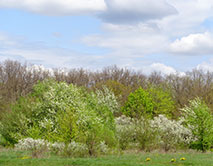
78, 113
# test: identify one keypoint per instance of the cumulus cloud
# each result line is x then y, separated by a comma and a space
206, 67
133, 11
194, 44
191, 15
56, 7
114, 11
162, 68
128, 40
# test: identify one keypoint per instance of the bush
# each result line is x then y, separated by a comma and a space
76, 149
145, 134
58, 147
163, 103
139, 103
120, 90
135, 131
150, 103
58, 112
37, 147
199, 120
102, 148
171, 133
125, 131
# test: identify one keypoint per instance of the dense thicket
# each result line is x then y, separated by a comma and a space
17, 80
80, 110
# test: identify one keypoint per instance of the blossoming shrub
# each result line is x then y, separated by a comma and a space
135, 131
125, 131
199, 120
58, 112
171, 133
102, 148
159, 132
57, 147
37, 147
145, 134
76, 149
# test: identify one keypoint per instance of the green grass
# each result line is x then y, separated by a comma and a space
11, 158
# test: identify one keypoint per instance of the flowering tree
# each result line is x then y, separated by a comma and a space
59, 112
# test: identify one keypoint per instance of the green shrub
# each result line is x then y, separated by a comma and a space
199, 120
125, 131
58, 112
150, 103
75, 149
163, 103
139, 103
145, 134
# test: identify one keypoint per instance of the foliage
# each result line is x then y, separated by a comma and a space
145, 134
162, 101
199, 120
125, 131
76, 149
15, 123
57, 148
59, 112
159, 132
139, 104
37, 147
150, 103
120, 90
171, 133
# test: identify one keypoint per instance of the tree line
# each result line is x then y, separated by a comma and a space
17, 79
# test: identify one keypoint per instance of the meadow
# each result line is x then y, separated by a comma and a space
14, 158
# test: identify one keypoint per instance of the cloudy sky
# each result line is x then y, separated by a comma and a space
147, 35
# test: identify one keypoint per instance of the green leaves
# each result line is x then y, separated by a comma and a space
64, 113
139, 103
200, 120
150, 102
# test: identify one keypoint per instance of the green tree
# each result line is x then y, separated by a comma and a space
139, 103
150, 102
64, 113
120, 90
162, 101
198, 118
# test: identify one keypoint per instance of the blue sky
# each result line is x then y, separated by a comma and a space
145, 35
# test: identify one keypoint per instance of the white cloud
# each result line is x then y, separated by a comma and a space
162, 68
134, 11
56, 7
114, 11
128, 40
191, 14
158, 22
194, 44
205, 66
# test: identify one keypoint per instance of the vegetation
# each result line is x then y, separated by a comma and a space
8, 158
79, 113
200, 121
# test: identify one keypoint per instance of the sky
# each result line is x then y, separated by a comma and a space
168, 36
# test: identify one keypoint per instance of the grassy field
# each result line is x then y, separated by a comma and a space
11, 158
